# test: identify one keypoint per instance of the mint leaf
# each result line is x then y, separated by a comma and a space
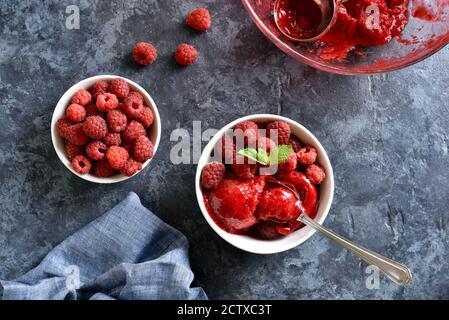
262, 157
280, 153
250, 153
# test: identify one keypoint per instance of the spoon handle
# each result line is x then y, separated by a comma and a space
395, 271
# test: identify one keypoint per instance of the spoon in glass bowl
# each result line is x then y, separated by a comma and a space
395, 271
305, 20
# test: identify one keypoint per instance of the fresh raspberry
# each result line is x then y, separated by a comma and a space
98, 88
120, 88
315, 173
262, 143
73, 150
133, 131
61, 125
107, 102
75, 134
212, 175
243, 169
103, 169
143, 149
226, 149
92, 110
295, 143
81, 164
131, 167
145, 117
116, 120
117, 157
82, 97
132, 107
307, 155
199, 19
96, 150
112, 139
289, 164
282, 129
144, 53
186, 54
248, 129
135, 94
75, 113
95, 127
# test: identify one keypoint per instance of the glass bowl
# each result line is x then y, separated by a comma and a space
424, 35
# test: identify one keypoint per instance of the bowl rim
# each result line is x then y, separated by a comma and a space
63, 102
306, 230
322, 66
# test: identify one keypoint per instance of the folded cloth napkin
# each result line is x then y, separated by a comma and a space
128, 253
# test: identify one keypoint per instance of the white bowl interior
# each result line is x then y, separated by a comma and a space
294, 239
154, 133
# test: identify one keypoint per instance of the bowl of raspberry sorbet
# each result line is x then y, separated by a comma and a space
256, 176
106, 129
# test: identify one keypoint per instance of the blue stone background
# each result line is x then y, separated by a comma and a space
386, 135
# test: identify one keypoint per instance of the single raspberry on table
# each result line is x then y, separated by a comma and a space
98, 88
117, 157
95, 127
145, 117
75, 134
133, 131
199, 19
120, 88
112, 139
96, 150
92, 110
107, 102
281, 129
75, 112
143, 149
82, 97
61, 125
307, 155
116, 120
144, 53
295, 143
72, 150
212, 175
81, 164
315, 173
185, 54
131, 167
132, 107
103, 169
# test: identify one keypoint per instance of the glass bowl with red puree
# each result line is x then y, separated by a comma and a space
366, 36
237, 183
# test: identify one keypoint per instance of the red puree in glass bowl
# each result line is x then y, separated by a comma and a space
237, 191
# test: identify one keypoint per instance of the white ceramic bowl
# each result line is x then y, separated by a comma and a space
154, 133
294, 239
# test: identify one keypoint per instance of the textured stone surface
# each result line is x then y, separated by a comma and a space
387, 137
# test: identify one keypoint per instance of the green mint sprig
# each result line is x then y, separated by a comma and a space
278, 155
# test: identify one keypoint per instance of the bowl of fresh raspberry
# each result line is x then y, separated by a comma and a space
106, 129
256, 176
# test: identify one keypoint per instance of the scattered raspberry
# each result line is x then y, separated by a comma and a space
248, 128
134, 94
144, 53
307, 155
120, 88
61, 125
199, 19
132, 107
92, 110
143, 149
98, 88
112, 139
75, 113
243, 169
226, 149
73, 150
212, 175
75, 134
107, 102
133, 131
95, 127
288, 165
315, 173
96, 150
282, 129
117, 157
103, 169
81, 164
116, 120
185, 54
131, 167
295, 143
145, 117
82, 97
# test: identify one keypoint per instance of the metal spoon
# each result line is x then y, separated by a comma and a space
395, 271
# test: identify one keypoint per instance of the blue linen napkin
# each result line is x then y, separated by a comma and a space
128, 253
